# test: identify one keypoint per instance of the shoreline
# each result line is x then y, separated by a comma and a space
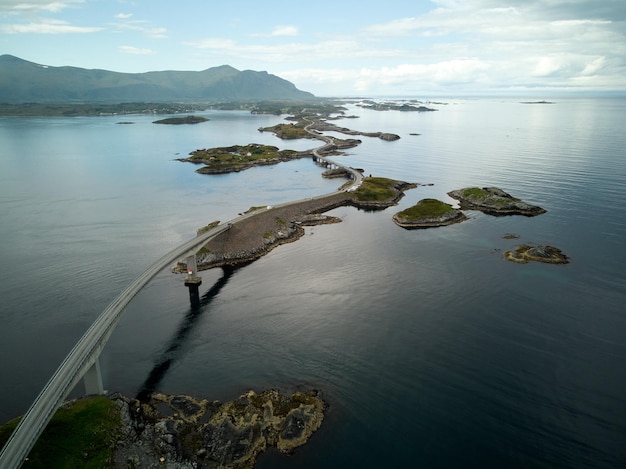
252, 238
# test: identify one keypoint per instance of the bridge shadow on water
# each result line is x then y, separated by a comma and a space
170, 354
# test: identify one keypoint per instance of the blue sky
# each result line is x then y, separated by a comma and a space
339, 48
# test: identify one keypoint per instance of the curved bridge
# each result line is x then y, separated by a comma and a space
82, 361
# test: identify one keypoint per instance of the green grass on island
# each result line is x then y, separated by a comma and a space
476, 192
82, 434
375, 189
237, 154
425, 208
288, 131
182, 120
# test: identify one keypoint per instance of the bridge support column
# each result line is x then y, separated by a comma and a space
193, 280
93, 379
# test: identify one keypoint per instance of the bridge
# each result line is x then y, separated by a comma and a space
83, 360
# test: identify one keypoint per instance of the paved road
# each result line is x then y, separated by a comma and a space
85, 353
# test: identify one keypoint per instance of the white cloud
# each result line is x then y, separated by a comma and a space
123, 16
135, 50
47, 27
36, 5
285, 31
143, 27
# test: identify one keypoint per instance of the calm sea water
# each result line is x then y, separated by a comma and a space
431, 350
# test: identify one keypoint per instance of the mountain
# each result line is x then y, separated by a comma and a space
22, 81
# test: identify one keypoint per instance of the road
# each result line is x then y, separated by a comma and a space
85, 353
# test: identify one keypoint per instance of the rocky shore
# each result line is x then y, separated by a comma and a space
183, 432
493, 201
255, 236
547, 254
428, 213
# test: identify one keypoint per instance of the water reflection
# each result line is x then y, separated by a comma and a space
171, 352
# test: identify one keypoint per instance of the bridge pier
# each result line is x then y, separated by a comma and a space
193, 280
93, 379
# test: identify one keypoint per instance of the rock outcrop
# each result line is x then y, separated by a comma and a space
547, 254
493, 201
182, 432
428, 213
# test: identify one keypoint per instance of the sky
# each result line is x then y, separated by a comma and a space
339, 48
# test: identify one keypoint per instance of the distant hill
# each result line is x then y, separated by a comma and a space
27, 82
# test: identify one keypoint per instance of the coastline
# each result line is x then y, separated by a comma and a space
255, 236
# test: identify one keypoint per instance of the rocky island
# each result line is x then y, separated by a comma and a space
237, 158
493, 201
297, 130
182, 120
197, 433
547, 254
428, 213
386, 106
174, 431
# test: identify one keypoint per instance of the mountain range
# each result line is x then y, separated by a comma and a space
22, 81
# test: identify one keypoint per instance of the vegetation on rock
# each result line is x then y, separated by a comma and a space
375, 189
82, 433
288, 131
547, 254
182, 120
428, 213
239, 157
493, 201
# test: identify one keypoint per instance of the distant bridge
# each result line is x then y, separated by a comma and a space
83, 360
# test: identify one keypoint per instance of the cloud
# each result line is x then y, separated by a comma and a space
123, 16
324, 51
375, 79
21, 6
285, 31
279, 31
135, 50
47, 27
143, 27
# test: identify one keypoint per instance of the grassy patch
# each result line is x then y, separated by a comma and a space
375, 189
206, 228
81, 434
425, 208
475, 192
235, 155
182, 120
289, 131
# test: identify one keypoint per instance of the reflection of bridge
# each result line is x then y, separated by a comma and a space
83, 360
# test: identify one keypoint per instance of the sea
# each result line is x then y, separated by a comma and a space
430, 349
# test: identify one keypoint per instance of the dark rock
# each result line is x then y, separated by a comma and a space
493, 201
215, 435
546, 254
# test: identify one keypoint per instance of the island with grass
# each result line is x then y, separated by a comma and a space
546, 254
174, 430
182, 120
428, 213
392, 106
493, 201
237, 158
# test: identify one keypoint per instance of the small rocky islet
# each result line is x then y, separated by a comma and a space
428, 213
183, 432
546, 254
181, 120
493, 201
